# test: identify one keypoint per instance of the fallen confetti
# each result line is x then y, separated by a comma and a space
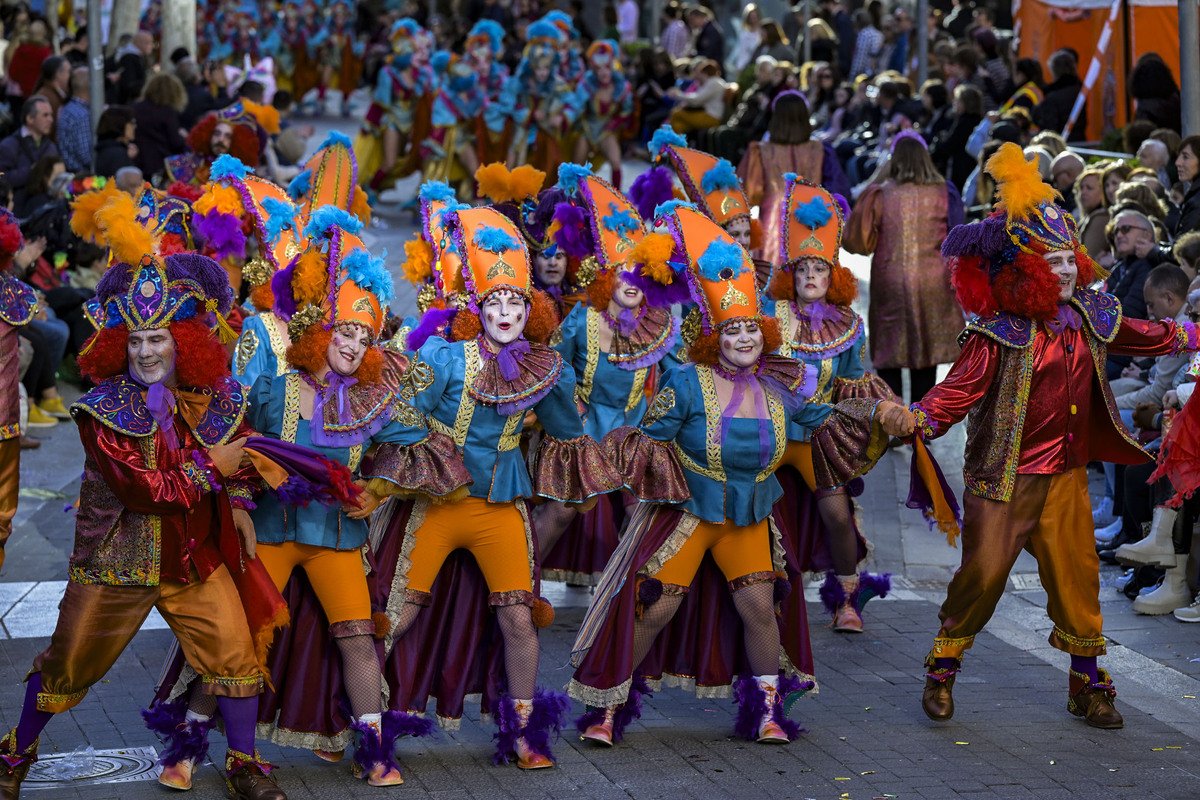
1156, 748
962, 742
841, 779
868, 772
1189, 697
1052, 763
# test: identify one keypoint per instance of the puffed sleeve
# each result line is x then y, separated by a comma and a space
847, 443
750, 170
644, 456
178, 483
1140, 338
862, 231
252, 355
569, 465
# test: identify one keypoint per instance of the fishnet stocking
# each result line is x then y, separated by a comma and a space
361, 674
408, 615
201, 703
837, 512
552, 521
647, 627
520, 649
756, 605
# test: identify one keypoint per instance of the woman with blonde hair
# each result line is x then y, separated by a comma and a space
1092, 205
748, 38
913, 317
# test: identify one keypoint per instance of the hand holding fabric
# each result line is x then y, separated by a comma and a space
227, 457
368, 501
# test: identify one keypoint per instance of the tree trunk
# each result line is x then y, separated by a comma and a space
179, 28
125, 17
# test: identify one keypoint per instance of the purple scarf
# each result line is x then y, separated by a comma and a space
509, 358
338, 385
161, 405
745, 379
1066, 317
817, 313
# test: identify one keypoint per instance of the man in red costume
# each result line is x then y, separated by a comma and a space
161, 507
1032, 376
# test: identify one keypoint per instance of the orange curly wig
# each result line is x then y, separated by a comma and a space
707, 348
310, 353
262, 297
600, 290
245, 141
200, 358
540, 324
843, 286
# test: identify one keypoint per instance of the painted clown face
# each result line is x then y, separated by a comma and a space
151, 355
811, 279
626, 294
347, 347
741, 344
504, 314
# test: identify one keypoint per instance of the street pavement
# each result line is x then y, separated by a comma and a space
867, 737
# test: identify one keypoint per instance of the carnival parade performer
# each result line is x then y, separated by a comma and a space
1032, 374
477, 389
493, 129
812, 293
605, 100
163, 504
702, 460
241, 130
18, 304
616, 343
541, 103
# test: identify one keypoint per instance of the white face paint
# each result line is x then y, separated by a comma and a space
811, 279
1066, 271
346, 349
741, 344
626, 294
151, 355
504, 315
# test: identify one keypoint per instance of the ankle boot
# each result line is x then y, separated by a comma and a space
598, 726
526, 727
769, 731
375, 748
1171, 594
938, 698
186, 742
761, 716
1157, 549
248, 777
14, 766
606, 726
1094, 701
845, 596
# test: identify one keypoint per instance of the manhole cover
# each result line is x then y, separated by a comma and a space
107, 766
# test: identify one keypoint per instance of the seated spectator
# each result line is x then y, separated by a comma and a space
1145, 200
703, 106
999, 82
130, 180
1092, 215
1043, 158
1187, 164
1115, 173
749, 120
115, 136
949, 152
1153, 154
1187, 254
841, 102
54, 84
1054, 112
1050, 141
1065, 169
207, 90
37, 190
819, 84
1136, 250
159, 133
936, 100
27, 145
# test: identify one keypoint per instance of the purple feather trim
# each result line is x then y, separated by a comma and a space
372, 748
183, 739
114, 283
545, 719
296, 492
631, 709
658, 295
593, 716
402, 723
222, 233
650, 189
752, 705
281, 286
832, 594
434, 322
783, 588
789, 684
985, 238
871, 585
575, 234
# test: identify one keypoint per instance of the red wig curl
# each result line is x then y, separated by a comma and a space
707, 347
262, 297
245, 143
969, 277
843, 286
539, 324
311, 352
1027, 288
200, 358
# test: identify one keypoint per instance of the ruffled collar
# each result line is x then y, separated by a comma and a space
119, 403
654, 334
537, 371
347, 412
18, 303
824, 330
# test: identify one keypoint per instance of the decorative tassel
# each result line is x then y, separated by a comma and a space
543, 613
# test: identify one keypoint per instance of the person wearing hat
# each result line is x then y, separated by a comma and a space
482, 50
810, 297
702, 462
1032, 375
163, 519
606, 99
618, 342
478, 387
540, 101
240, 130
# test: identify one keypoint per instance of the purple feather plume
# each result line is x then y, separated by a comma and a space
657, 294
783, 588
752, 705
650, 189
985, 238
832, 594
402, 723
371, 749
281, 286
434, 322
631, 709
575, 234
869, 586
183, 739
222, 233
509, 730
297, 492
545, 719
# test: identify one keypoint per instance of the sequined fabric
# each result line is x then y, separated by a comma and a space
762, 170
848, 443
573, 470
10, 397
18, 303
432, 467
539, 371
652, 339
650, 467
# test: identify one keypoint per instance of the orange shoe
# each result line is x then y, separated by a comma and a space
847, 619
602, 732
330, 755
528, 758
178, 775
769, 731
382, 775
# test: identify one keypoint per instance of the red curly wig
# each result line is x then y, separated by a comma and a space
245, 140
707, 348
540, 324
843, 286
262, 297
200, 358
1026, 287
310, 354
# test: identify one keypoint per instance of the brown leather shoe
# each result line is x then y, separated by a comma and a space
14, 766
938, 700
248, 778
1094, 702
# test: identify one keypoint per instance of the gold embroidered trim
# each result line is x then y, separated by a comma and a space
46, 698
466, 403
291, 408
1059, 633
228, 680
783, 313
669, 548
356, 453
779, 428
592, 328
659, 407
146, 443
712, 417
510, 438
416, 379
247, 344
379, 525
278, 345
636, 390
824, 393
950, 648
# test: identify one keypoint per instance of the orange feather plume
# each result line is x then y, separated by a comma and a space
360, 206
225, 199
653, 252
418, 262
494, 182
84, 208
310, 279
1019, 183
128, 239
525, 182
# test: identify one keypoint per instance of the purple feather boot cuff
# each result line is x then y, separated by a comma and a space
761, 705
185, 740
526, 728
620, 717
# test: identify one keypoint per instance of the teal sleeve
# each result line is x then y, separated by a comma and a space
669, 409
557, 411
428, 374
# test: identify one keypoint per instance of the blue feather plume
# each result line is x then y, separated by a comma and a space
619, 220
722, 260
662, 137
369, 273
327, 217
543, 30
571, 175
671, 206
720, 177
450, 208
494, 240
815, 213
440, 61
280, 215
434, 191
300, 185
335, 137
227, 167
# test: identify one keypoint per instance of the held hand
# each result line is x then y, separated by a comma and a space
227, 457
1131, 371
245, 529
896, 420
1144, 416
368, 501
